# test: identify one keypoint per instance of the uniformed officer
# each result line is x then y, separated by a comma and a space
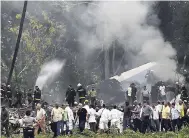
92, 95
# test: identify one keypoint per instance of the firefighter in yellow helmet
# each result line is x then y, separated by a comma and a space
92, 96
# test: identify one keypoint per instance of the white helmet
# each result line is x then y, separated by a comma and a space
79, 84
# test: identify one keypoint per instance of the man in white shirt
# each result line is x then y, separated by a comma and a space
155, 117
104, 115
86, 106
162, 92
40, 119
115, 118
56, 116
146, 94
92, 118
175, 115
70, 118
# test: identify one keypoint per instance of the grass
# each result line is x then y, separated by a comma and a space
184, 133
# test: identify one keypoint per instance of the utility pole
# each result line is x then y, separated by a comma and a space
18, 42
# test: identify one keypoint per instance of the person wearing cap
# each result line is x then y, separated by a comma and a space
92, 95
41, 115
4, 120
37, 95
70, 95
81, 92
82, 114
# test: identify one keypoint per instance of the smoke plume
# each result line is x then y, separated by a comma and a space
49, 72
135, 26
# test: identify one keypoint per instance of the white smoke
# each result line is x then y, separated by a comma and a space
49, 72
135, 25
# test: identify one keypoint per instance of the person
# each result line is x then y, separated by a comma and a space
166, 117
175, 115
155, 117
28, 123
70, 95
37, 95
64, 121
162, 92
92, 95
133, 93
103, 115
86, 106
82, 93
3, 92
5, 120
29, 96
145, 114
9, 95
181, 108
146, 94
56, 116
18, 98
92, 118
115, 118
70, 118
128, 94
184, 93
40, 118
136, 116
82, 114
127, 115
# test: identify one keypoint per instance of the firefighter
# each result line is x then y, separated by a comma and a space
70, 95
92, 95
29, 96
9, 95
81, 92
18, 97
37, 95
184, 94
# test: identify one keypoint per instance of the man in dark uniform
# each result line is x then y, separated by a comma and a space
9, 95
29, 96
4, 120
18, 98
81, 92
70, 95
37, 95
184, 94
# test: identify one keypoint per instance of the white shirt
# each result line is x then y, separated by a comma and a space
162, 90
187, 112
70, 114
159, 107
145, 93
114, 115
57, 114
155, 113
40, 113
129, 90
105, 114
174, 113
92, 114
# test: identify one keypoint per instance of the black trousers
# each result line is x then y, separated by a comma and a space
28, 132
82, 125
166, 124
176, 123
145, 123
71, 101
93, 126
137, 124
54, 128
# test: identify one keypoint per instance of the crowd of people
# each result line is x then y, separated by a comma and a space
143, 117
